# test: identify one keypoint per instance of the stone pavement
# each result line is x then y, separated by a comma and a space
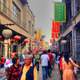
55, 73
40, 73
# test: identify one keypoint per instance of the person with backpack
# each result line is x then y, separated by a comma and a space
29, 70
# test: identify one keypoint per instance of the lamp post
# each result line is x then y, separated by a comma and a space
7, 34
63, 41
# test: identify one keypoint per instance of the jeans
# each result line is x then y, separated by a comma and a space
44, 72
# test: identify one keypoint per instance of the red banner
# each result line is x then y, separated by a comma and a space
55, 29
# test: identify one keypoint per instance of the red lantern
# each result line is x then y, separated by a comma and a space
26, 41
17, 38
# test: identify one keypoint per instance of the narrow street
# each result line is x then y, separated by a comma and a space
39, 31
55, 73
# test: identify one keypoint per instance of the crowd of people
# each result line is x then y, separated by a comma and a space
29, 69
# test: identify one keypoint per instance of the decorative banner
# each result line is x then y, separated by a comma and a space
55, 30
38, 34
55, 26
60, 12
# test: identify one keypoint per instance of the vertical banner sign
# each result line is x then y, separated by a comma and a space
55, 29
59, 12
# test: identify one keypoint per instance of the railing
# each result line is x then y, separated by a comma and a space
9, 14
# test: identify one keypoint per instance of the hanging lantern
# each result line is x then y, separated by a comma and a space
17, 37
7, 33
26, 41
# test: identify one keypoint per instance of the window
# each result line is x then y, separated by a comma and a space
4, 5
16, 13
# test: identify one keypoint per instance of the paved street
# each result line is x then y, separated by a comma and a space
40, 73
55, 73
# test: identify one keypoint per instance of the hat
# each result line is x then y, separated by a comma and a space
28, 56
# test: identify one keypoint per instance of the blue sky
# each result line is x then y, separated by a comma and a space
44, 14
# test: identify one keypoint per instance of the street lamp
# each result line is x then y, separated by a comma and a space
63, 44
63, 41
7, 33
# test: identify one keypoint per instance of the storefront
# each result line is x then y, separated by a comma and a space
10, 41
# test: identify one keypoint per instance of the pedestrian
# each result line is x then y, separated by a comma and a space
2, 61
60, 64
53, 53
50, 62
68, 67
44, 64
56, 57
29, 70
13, 73
37, 59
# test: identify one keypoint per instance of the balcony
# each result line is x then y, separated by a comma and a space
16, 19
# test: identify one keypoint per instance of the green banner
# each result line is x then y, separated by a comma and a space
59, 12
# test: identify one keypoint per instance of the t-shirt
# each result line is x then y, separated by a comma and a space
44, 60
